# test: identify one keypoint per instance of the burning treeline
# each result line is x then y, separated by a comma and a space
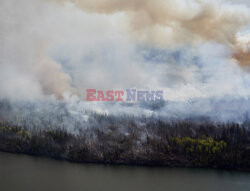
134, 141
193, 49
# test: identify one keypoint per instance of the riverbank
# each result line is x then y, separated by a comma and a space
176, 144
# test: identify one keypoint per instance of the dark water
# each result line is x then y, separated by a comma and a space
20, 172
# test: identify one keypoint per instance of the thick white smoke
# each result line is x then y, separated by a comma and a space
26, 35
191, 49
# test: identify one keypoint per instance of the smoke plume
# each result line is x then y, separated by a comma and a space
197, 51
26, 69
170, 23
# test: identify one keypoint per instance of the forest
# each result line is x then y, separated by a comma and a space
136, 141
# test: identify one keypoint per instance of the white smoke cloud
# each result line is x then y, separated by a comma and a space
27, 32
189, 49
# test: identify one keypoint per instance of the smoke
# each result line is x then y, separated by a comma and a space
197, 51
169, 22
242, 50
172, 23
26, 69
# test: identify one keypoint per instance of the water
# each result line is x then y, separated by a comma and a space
25, 173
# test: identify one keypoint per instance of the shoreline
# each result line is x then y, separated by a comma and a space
125, 164
221, 147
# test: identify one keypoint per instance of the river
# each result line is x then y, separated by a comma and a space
28, 173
